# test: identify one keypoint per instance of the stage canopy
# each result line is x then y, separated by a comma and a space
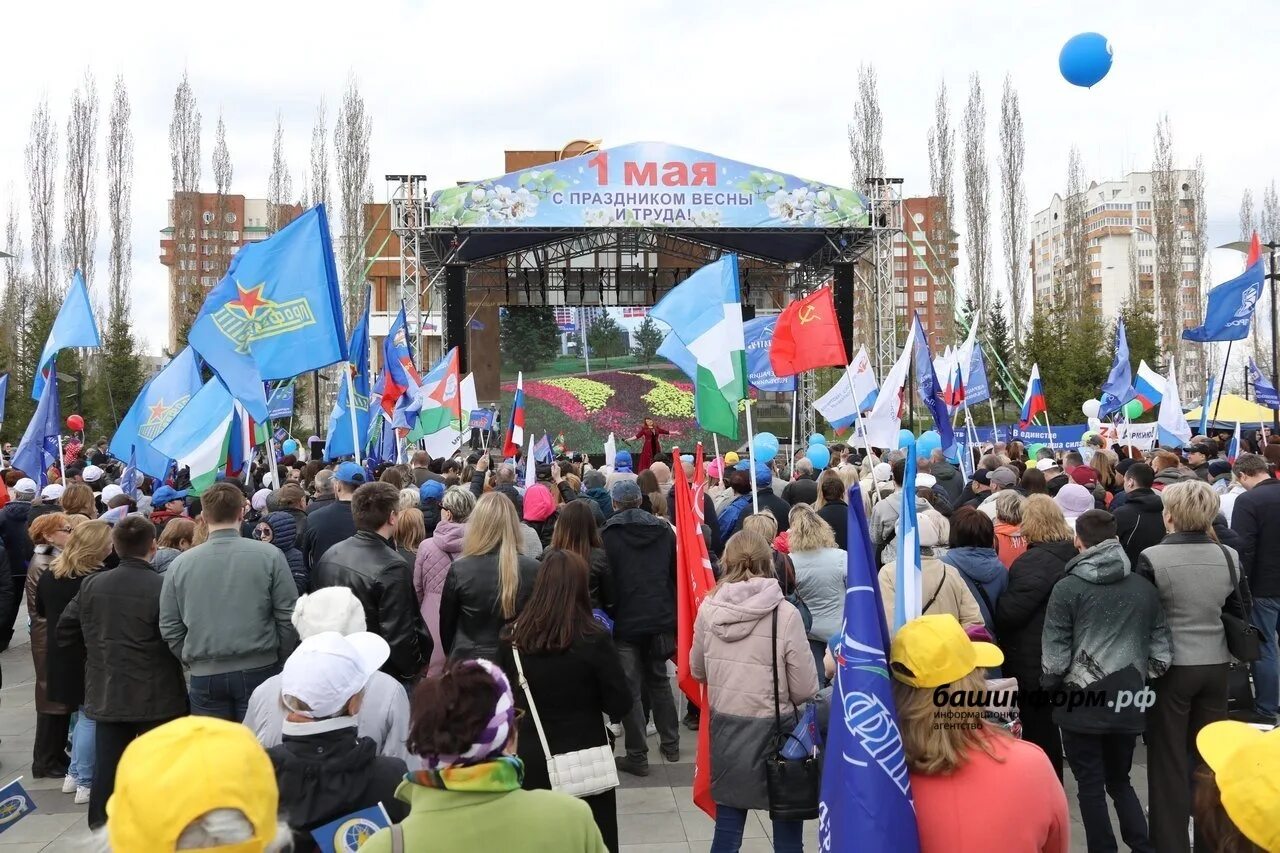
650, 186
1234, 409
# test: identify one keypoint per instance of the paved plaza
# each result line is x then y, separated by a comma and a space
655, 813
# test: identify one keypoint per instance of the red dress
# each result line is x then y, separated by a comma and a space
650, 446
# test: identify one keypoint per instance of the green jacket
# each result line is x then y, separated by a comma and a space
226, 605
512, 821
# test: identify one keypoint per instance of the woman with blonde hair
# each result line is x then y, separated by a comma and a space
821, 569
1020, 613
49, 534
968, 777
1196, 577
178, 535
1108, 478
85, 551
77, 499
488, 585
436, 554
409, 532
745, 636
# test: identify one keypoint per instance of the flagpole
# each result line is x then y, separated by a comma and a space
751, 455
715, 440
995, 428
1049, 427
351, 410
795, 394
1222, 383
62, 464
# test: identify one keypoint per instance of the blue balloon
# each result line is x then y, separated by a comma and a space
819, 455
1085, 59
928, 442
905, 438
289, 446
817, 438
766, 445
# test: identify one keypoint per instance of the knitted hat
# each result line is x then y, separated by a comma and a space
333, 608
1074, 500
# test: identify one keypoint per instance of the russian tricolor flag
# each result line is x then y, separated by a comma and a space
1033, 405
955, 389
515, 426
1148, 386
1233, 447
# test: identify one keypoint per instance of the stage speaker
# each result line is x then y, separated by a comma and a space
842, 291
455, 312
748, 312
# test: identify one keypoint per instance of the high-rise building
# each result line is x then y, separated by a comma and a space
1120, 252
924, 255
204, 231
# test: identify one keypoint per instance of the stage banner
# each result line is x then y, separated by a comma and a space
1068, 436
759, 335
649, 184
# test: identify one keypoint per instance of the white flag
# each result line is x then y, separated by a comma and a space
530, 466
964, 355
841, 404
467, 393
885, 419
610, 451
1174, 429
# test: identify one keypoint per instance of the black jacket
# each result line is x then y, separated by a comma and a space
715, 544
600, 581
18, 546
1055, 485
326, 775
768, 500
64, 664
1255, 518
470, 611
572, 690
642, 555
802, 490
1021, 608
299, 520
130, 674
950, 481
1139, 522
430, 516
325, 528
836, 514
317, 504
370, 567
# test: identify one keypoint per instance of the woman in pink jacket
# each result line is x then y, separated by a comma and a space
435, 555
745, 631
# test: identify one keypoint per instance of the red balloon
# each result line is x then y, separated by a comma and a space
75, 423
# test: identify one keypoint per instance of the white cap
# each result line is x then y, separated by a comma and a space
259, 499
333, 608
92, 474
109, 491
52, 492
882, 472
25, 486
1046, 465
926, 480
327, 669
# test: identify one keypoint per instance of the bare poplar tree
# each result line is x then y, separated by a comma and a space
1165, 204
42, 165
280, 184
1013, 199
222, 172
1074, 280
80, 216
866, 131
1194, 356
1248, 224
977, 197
319, 184
942, 153
13, 307
184, 138
119, 157
351, 134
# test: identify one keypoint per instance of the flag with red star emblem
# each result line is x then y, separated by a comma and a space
156, 405
348, 423
276, 314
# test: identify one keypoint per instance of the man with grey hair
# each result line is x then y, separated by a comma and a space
1253, 520
323, 491
803, 489
593, 487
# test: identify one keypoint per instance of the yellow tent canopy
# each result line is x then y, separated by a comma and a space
1233, 409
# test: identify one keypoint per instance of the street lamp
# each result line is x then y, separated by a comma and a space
1272, 277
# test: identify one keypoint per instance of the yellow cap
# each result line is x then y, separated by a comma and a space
934, 650
1246, 762
730, 458
177, 772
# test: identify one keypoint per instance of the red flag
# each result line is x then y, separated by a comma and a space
807, 335
4, 494
694, 580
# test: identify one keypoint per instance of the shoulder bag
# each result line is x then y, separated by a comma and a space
794, 785
581, 773
1244, 639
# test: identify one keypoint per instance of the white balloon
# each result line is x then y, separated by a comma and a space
1090, 408
1095, 425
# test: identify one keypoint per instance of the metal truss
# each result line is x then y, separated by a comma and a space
877, 280
410, 216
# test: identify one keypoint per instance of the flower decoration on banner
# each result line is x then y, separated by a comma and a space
592, 395
666, 400
814, 204
492, 203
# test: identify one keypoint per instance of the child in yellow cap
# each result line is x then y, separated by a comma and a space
1241, 796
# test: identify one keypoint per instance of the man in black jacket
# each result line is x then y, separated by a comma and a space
370, 566
333, 524
642, 554
1140, 519
804, 488
18, 547
132, 681
1254, 518
322, 495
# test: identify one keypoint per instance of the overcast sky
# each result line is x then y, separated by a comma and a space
451, 85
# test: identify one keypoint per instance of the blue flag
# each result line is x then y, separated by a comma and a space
342, 435
907, 597
39, 446
1118, 389
399, 383
931, 391
280, 402
866, 790
758, 334
15, 804
4, 392
1263, 390
156, 405
542, 451
977, 390
349, 833
73, 327
275, 314
1204, 406
1229, 308
130, 480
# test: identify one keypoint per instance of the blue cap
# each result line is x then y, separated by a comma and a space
622, 461
351, 474
763, 475
625, 492
431, 490
164, 494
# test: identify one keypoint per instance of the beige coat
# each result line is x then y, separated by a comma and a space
953, 597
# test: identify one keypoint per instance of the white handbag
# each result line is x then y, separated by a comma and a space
581, 773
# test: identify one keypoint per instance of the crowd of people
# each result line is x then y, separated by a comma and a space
314, 639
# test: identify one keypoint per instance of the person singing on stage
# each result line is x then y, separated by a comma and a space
650, 446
